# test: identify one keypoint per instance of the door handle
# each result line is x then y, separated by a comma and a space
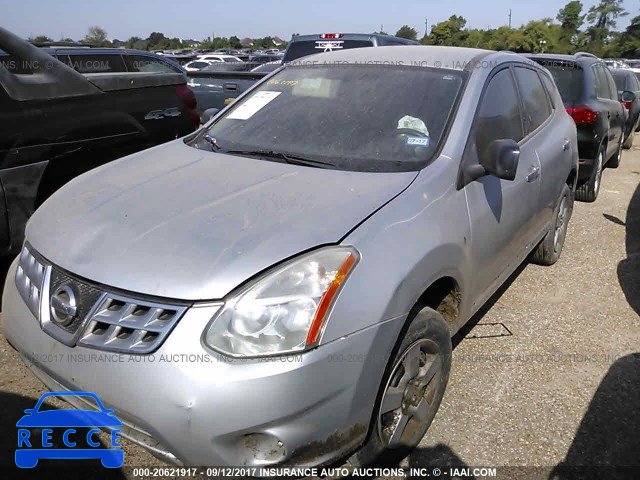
232, 87
566, 145
534, 173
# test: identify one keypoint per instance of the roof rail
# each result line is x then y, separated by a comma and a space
61, 45
584, 54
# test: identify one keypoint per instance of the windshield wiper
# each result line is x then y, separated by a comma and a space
286, 157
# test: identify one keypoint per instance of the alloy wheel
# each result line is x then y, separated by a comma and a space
410, 398
561, 224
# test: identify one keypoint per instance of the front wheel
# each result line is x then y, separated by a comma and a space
412, 390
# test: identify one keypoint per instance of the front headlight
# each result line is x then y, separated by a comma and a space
285, 310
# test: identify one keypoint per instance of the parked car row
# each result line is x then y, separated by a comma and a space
215, 89
61, 117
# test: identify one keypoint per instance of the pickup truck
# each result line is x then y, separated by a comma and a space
216, 89
56, 123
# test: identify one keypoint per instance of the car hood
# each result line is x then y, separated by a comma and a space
177, 222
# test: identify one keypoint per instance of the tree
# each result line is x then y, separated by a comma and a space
261, 43
234, 42
407, 32
627, 45
603, 18
96, 36
132, 41
450, 32
41, 39
157, 41
571, 17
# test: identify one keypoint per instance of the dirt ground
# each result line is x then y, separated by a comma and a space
548, 374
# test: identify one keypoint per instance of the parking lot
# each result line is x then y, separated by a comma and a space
549, 372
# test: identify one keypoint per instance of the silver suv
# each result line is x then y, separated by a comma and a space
282, 286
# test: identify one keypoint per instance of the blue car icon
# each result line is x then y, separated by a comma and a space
31, 448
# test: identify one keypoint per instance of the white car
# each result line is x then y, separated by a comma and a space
219, 58
197, 65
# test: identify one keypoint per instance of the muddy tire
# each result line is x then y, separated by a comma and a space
411, 391
550, 248
628, 142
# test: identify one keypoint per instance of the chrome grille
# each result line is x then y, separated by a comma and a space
124, 324
29, 279
102, 319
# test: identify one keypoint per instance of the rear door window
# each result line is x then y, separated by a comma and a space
536, 103
613, 90
97, 63
143, 63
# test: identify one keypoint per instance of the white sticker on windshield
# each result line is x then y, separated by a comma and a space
253, 105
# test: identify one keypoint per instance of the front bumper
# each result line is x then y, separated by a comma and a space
190, 406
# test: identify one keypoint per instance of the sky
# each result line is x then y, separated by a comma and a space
199, 19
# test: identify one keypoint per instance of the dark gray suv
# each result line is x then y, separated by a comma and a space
591, 97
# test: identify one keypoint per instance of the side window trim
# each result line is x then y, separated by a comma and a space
542, 76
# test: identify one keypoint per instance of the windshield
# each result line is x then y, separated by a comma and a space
353, 117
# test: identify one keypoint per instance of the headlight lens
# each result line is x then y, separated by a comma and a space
285, 310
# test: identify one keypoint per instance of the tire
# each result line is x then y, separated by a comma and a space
628, 143
588, 191
550, 248
411, 400
614, 162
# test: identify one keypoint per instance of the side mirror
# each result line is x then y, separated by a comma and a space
208, 114
627, 96
500, 159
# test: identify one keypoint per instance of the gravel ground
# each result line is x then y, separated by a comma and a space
547, 374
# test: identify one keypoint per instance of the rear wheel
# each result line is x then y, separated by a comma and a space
628, 143
412, 390
614, 162
588, 191
550, 249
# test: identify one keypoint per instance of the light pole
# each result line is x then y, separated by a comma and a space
542, 44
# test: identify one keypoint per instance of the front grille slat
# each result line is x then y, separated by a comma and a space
131, 325
102, 319
30, 279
